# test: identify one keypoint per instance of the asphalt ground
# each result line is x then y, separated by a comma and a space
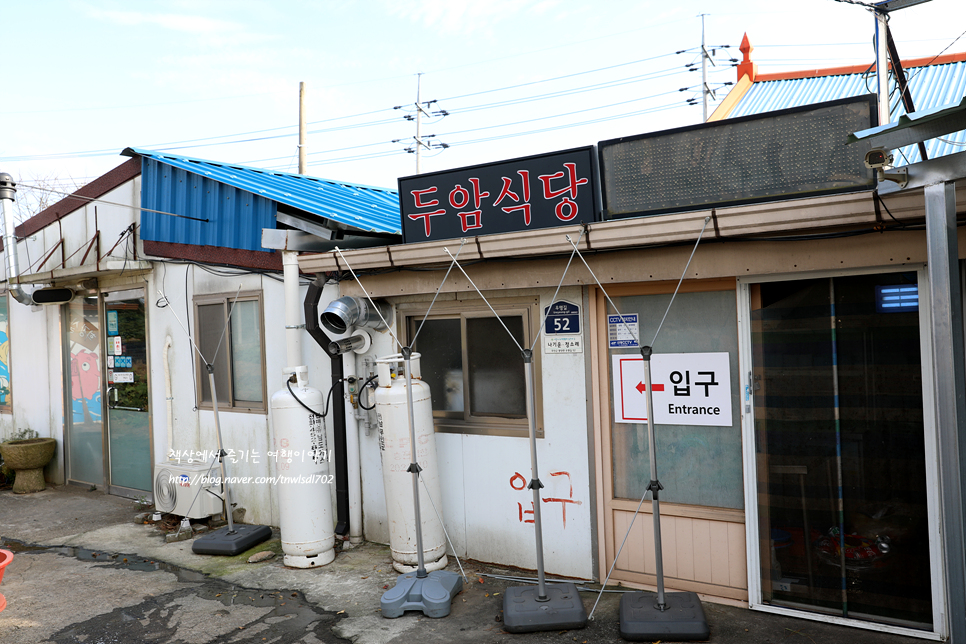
84, 572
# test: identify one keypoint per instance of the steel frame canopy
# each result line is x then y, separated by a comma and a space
938, 179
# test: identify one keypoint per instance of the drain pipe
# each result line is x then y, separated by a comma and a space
8, 192
167, 390
311, 311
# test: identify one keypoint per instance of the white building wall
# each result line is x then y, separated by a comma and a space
249, 434
482, 502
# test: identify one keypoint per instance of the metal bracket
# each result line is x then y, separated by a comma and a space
899, 176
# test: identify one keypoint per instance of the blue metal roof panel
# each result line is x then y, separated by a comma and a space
365, 208
206, 212
932, 86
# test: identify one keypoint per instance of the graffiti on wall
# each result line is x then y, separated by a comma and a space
556, 485
85, 372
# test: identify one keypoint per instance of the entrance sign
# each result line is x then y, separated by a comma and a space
528, 193
688, 389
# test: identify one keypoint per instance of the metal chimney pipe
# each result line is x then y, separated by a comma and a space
8, 192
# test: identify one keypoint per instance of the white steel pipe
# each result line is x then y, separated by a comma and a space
353, 459
293, 325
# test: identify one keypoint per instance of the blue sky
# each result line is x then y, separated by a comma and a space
219, 80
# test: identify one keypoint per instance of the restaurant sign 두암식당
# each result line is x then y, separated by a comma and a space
543, 191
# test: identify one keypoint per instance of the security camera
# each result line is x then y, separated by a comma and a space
878, 159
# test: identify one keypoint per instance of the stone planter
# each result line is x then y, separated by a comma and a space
27, 459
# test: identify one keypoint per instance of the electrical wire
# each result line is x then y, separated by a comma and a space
363, 389
217, 139
325, 408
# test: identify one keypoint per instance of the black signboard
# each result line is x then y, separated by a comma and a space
798, 152
541, 191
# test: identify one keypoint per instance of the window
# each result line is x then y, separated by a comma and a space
5, 402
474, 370
238, 363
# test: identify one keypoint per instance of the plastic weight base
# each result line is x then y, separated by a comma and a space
525, 612
229, 544
432, 594
642, 621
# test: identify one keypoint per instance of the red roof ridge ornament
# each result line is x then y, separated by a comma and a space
746, 67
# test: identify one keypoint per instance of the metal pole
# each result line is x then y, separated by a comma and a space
302, 128
535, 483
414, 466
419, 113
950, 382
882, 66
655, 485
838, 444
704, 74
221, 451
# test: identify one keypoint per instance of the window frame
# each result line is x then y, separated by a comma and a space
224, 299
411, 314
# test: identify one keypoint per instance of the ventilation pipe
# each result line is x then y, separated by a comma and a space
8, 191
338, 318
350, 311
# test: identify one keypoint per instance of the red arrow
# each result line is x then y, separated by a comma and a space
641, 387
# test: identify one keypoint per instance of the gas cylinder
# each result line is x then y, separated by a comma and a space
303, 481
392, 414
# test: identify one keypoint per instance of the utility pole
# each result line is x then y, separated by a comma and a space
419, 114
302, 119
705, 89
421, 109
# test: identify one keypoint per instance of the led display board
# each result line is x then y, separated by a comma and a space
528, 193
798, 152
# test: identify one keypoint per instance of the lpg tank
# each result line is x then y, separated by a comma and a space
303, 479
394, 445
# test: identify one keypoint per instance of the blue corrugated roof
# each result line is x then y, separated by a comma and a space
932, 86
361, 207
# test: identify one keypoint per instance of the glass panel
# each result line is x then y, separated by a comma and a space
696, 465
497, 379
246, 352
5, 399
211, 325
85, 458
128, 424
840, 437
441, 361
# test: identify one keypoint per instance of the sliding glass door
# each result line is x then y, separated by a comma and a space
839, 438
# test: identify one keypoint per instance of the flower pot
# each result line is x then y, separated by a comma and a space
27, 459
5, 558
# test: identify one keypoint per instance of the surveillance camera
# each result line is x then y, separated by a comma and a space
878, 159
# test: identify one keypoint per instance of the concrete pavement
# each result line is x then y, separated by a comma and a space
84, 572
